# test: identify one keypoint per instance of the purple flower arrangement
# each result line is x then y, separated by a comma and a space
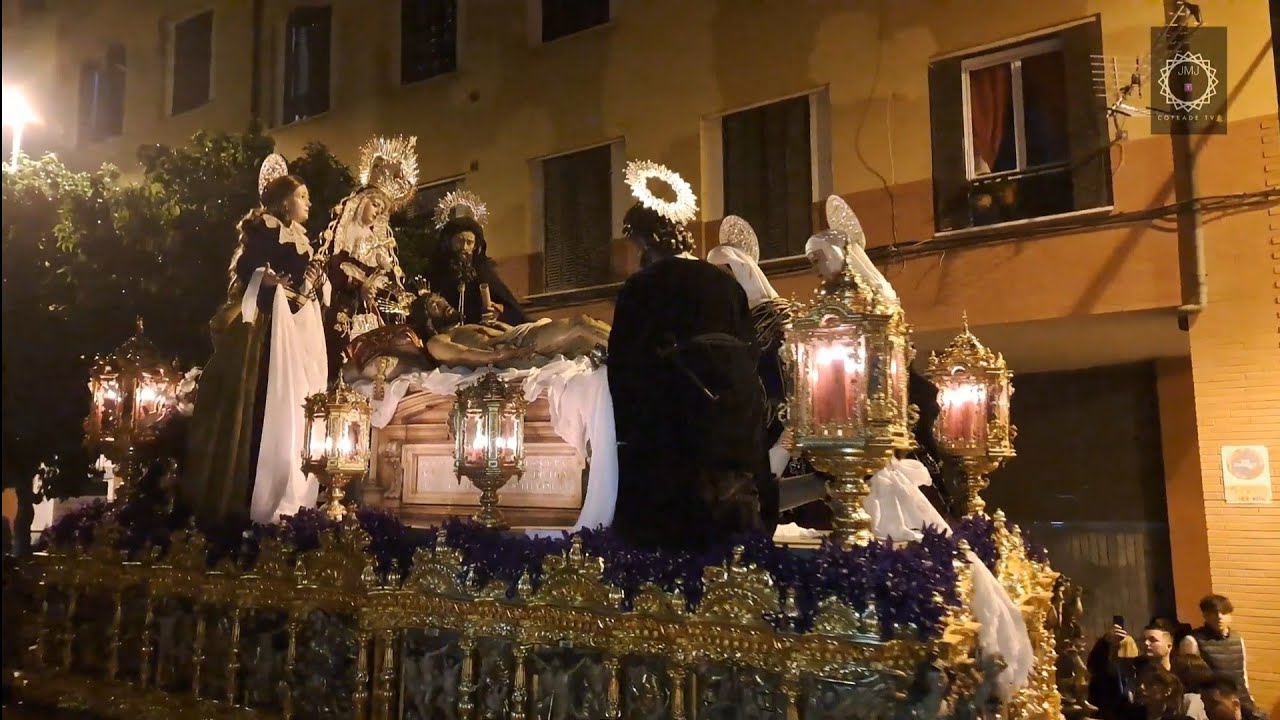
912, 586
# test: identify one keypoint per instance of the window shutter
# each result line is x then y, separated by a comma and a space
428, 38
90, 74
320, 40
578, 219
109, 121
192, 59
768, 174
947, 130
1086, 118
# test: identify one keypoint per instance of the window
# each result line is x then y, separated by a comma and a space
428, 39
426, 197
768, 179
566, 17
577, 222
102, 96
1019, 133
192, 63
307, 45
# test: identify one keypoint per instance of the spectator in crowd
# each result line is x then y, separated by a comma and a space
1222, 699
1161, 696
1114, 679
1223, 650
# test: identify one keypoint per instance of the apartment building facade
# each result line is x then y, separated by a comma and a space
972, 139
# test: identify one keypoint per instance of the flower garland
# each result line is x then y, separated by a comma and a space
912, 586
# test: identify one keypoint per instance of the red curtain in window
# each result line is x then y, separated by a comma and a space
989, 95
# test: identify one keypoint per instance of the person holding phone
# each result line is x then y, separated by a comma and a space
1115, 668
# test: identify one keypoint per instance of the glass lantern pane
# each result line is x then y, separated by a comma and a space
108, 399
962, 413
898, 376
318, 439
1000, 404
836, 372
475, 440
509, 440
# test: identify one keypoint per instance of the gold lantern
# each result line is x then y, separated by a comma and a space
848, 352
974, 386
336, 441
488, 431
132, 391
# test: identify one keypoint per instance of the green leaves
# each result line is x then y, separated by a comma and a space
84, 253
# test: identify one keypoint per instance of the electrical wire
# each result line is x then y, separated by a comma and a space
1209, 204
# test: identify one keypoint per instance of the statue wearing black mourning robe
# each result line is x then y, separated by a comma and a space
457, 278
689, 409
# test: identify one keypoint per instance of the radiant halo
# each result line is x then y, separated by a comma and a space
681, 210
464, 200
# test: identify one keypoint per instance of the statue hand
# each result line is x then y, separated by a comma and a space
515, 353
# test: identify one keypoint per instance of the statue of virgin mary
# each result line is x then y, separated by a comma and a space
364, 266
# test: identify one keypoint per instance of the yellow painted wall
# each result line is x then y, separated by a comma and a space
652, 77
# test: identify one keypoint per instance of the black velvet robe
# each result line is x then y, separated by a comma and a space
681, 452
226, 427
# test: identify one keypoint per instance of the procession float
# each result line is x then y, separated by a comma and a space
459, 565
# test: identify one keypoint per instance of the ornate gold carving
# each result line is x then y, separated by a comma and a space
738, 593
573, 607
576, 580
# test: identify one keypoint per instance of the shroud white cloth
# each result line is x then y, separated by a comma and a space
748, 274
298, 368
581, 414
899, 511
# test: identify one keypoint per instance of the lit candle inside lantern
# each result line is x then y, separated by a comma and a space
963, 413
478, 450
837, 381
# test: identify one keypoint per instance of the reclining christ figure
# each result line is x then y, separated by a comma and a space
492, 343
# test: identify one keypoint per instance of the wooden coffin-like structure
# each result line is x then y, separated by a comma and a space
412, 474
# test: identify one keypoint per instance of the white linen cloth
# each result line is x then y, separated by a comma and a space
899, 511
298, 368
581, 411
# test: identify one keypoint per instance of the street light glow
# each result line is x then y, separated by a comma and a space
17, 109
18, 114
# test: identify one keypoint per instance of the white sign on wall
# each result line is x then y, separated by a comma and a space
1246, 474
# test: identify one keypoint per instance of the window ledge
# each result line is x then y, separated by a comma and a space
303, 121
1039, 222
545, 43
569, 298
428, 80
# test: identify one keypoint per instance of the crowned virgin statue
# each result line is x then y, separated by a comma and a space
364, 267
269, 354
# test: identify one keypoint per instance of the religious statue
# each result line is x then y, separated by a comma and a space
690, 412
460, 269
364, 267
269, 355
739, 255
495, 343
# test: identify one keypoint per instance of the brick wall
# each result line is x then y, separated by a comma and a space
1235, 356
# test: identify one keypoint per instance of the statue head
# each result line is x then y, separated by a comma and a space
461, 247
654, 235
826, 253
372, 206
287, 198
